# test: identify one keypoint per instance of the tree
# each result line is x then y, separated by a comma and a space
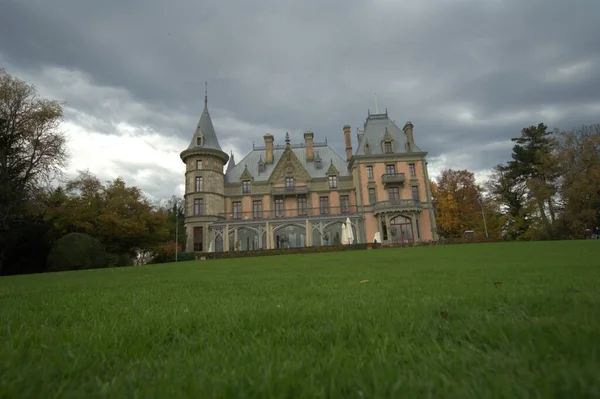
534, 163
32, 152
117, 215
510, 197
579, 161
457, 197
173, 213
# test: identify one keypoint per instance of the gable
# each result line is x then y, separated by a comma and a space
387, 136
246, 175
332, 171
289, 166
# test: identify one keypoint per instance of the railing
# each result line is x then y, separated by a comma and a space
397, 204
289, 190
389, 178
290, 213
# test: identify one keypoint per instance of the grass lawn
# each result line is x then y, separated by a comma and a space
302, 326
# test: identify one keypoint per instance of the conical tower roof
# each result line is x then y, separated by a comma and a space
231, 163
205, 138
205, 135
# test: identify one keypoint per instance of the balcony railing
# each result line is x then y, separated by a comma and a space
290, 213
392, 178
397, 204
292, 190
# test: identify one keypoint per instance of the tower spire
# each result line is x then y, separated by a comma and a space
205, 94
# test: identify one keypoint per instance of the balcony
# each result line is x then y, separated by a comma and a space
290, 213
292, 190
397, 205
393, 178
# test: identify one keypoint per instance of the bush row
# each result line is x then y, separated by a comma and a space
184, 256
444, 241
284, 251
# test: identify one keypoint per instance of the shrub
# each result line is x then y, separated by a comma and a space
76, 251
118, 260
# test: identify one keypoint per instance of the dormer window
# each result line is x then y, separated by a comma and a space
246, 187
387, 146
261, 165
367, 148
199, 141
289, 183
333, 182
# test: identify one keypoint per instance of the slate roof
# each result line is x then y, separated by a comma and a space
206, 130
374, 131
326, 153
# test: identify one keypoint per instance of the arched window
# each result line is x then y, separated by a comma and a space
401, 230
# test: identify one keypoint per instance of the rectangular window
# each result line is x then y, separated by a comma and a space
415, 192
370, 172
289, 183
371, 196
198, 206
394, 193
246, 187
333, 182
324, 205
344, 203
390, 168
388, 147
199, 184
257, 209
279, 207
237, 210
198, 164
411, 167
301, 206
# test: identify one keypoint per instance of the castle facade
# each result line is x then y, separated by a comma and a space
305, 194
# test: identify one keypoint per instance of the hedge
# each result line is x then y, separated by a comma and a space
76, 251
284, 251
185, 256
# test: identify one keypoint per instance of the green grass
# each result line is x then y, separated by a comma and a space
302, 326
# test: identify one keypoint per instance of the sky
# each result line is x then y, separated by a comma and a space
469, 74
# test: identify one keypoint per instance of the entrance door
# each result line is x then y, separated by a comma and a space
401, 230
198, 239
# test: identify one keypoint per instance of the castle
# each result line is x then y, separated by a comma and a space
305, 194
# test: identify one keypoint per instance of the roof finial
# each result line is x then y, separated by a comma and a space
205, 94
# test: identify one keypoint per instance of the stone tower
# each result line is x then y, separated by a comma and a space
204, 183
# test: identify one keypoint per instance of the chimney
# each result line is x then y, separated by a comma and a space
308, 140
359, 135
408, 130
269, 148
348, 141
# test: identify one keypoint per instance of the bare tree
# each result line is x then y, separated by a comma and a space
32, 148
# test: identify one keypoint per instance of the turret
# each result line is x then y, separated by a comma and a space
204, 182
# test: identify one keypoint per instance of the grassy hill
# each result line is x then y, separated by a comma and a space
507, 320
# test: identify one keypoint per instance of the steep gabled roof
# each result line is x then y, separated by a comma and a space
323, 151
378, 128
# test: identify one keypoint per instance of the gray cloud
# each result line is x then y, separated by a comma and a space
467, 72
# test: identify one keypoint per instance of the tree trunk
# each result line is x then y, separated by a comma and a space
543, 213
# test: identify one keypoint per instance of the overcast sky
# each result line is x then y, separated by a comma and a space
469, 74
